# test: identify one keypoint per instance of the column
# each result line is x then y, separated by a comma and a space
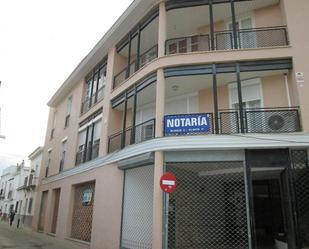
157, 235
160, 102
107, 102
295, 16
162, 29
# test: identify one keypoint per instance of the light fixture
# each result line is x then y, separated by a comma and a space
175, 88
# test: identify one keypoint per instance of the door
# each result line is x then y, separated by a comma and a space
245, 35
43, 211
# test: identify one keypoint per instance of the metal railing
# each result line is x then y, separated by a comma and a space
88, 153
187, 44
224, 40
255, 120
252, 38
90, 101
142, 132
144, 59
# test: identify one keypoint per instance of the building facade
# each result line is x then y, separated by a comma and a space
12, 183
213, 91
27, 188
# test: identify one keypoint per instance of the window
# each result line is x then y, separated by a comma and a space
62, 156
53, 126
89, 138
246, 39
26, 181
95, 85
67, 117
48, 163
252, 99
30, 205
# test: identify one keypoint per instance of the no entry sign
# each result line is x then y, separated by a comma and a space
168, 182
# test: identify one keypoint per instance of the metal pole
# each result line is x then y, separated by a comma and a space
249, 205
241, 111
211, 22
287, 89
123, 136
234, 24
134, 117
129, 56
215, 97
137, 63
166, 207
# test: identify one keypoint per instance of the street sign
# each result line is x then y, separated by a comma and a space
168, 182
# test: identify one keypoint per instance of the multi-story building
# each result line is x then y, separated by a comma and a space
12, 183
27, 188
213, 91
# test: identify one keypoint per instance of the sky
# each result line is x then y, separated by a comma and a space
41, 43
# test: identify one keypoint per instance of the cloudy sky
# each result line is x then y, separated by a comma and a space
41, 42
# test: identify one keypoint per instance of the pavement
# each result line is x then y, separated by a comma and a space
25, 238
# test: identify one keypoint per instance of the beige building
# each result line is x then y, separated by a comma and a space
213, 91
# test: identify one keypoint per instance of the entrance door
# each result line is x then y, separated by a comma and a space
55, 212
272, 212
43, 211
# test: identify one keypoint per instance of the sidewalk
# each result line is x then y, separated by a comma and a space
25, 238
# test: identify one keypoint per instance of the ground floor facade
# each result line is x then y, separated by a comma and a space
229, 198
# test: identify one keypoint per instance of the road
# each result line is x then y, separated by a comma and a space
11, 238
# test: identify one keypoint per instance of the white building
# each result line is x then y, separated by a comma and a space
29, 187
11, 181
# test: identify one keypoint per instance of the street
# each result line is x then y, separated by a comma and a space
11, 237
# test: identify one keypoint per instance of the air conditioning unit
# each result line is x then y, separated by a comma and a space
147, 132
286, 121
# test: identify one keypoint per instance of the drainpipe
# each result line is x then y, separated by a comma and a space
287, 89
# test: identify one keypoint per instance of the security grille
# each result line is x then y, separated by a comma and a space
56, 208
83, 211
229, 122
208, 208
301, 185
137, 208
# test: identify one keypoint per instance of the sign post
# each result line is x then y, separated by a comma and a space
168, 185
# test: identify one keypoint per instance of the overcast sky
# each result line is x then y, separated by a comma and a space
41, 42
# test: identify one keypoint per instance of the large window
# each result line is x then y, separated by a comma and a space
89, 138
95, 86
62, 155
68, 114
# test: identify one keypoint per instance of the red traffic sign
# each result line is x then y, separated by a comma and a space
168, 182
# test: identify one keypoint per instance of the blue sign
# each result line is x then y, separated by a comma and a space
191, 123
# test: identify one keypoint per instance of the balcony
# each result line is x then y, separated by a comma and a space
87, 153
91, 101
143, 59
142, 132
255, 120
224, 40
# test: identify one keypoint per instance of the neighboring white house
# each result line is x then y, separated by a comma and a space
11, 180
18, 189
29, 188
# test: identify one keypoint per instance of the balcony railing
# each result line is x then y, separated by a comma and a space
88, 154
255, 120
144, 58
90, 101
224, 40
143, 132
